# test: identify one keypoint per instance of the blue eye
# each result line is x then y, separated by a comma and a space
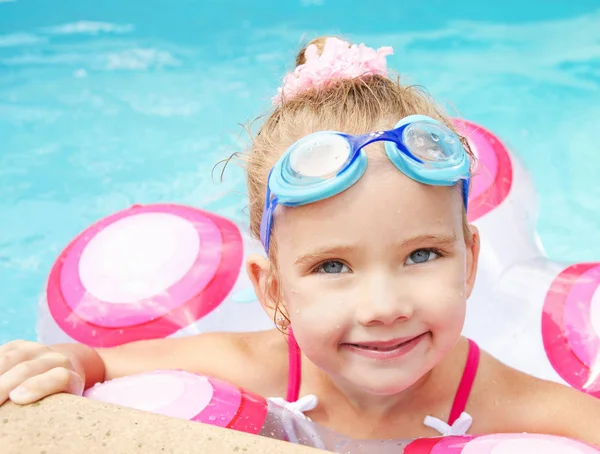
422, 256
332, 267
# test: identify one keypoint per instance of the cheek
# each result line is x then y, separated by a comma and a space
317, 316
312, 307
444, 296
445, 306
300, 299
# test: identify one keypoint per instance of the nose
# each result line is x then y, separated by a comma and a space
382, 301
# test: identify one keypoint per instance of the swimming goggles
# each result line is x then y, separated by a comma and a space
326, 163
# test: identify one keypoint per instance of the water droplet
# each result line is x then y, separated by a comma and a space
212, 418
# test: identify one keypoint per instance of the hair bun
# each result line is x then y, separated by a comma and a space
327, 60
319, 42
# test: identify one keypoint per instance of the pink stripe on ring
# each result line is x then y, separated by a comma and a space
251, 415
580, 333
556, 345
202, 303
223, 406
451, 445
491, 184
91, 309
422, 445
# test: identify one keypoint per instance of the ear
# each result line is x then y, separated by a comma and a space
472, 259
266, 286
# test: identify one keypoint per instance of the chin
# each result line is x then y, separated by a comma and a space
390, 385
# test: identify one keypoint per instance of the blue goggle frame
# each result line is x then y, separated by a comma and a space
286, 187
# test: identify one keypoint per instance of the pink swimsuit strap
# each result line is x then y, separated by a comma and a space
466, 383
294, 369
460, 399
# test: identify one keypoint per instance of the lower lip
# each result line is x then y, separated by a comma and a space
397, 352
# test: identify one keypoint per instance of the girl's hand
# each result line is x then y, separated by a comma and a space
30, 371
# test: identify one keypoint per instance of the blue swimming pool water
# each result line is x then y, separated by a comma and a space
105, 104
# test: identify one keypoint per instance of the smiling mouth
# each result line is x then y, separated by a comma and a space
387, 346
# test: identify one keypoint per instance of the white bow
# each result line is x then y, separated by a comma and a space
459, 427
305, 403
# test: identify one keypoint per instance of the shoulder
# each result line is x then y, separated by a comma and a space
257, 361
561, 410
518, 402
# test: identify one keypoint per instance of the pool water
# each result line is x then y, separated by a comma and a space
107, 104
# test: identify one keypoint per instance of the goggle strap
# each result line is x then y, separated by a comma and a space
393, 136
465, 192
267, 218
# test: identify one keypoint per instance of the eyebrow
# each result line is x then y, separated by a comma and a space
322, 252
440, 240
329, 251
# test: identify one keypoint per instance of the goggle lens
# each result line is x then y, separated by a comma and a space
320, 155
431, 142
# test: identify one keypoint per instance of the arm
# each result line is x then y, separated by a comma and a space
570, 413
516, 402
215, 354
545, 407
86, 362
30, 371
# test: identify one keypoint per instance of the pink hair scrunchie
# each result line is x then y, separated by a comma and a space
339, 60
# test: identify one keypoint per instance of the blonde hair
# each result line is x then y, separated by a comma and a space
354, 106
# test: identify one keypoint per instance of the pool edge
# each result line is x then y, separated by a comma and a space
69, 424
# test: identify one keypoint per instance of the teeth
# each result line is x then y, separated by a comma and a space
382, 349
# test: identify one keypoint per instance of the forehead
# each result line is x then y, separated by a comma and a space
383, 201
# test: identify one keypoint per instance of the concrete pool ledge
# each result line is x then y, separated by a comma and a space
69, 424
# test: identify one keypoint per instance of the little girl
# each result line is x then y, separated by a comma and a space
358, 190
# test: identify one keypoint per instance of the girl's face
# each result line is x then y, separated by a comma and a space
375, 279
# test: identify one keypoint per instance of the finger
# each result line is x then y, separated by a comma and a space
16, 352
50, 382
11, 346
25, 370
